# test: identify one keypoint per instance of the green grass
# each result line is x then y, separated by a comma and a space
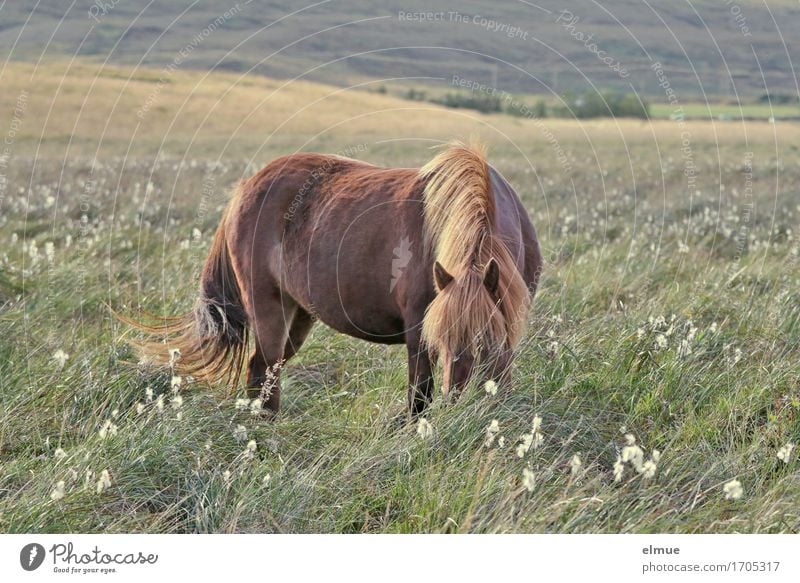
730, 111
589, 367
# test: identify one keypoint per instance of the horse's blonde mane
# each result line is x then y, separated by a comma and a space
459, 230
459, 208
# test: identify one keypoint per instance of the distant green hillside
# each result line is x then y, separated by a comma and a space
708, 49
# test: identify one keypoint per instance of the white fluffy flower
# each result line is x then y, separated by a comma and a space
424, 428
634, 455
733, 490
490, 387
58, 492
649, 469
525, 445
108, 429
240, 433
491, 432
536, 437
619, 469
528, 479
575, 464
785, 452
255, 406
60, 357
104, 482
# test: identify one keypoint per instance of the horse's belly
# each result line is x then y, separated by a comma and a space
368, 331
360, 320
356, 304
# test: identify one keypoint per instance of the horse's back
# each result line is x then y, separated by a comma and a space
290, 185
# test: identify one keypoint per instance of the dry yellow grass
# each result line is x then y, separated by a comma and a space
113, 110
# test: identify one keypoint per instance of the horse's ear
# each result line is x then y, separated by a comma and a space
491, 276
440, 276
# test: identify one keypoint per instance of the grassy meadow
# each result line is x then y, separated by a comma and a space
661, 362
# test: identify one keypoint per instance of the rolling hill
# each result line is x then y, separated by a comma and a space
730, 50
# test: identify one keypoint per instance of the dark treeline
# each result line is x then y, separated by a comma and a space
585, 105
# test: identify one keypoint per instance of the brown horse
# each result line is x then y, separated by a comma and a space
444, 259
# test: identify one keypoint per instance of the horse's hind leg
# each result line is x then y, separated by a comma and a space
272, 319
301, 326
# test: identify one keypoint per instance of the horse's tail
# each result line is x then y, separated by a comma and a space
212, 338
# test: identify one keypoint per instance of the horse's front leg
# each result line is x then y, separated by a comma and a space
420, 375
